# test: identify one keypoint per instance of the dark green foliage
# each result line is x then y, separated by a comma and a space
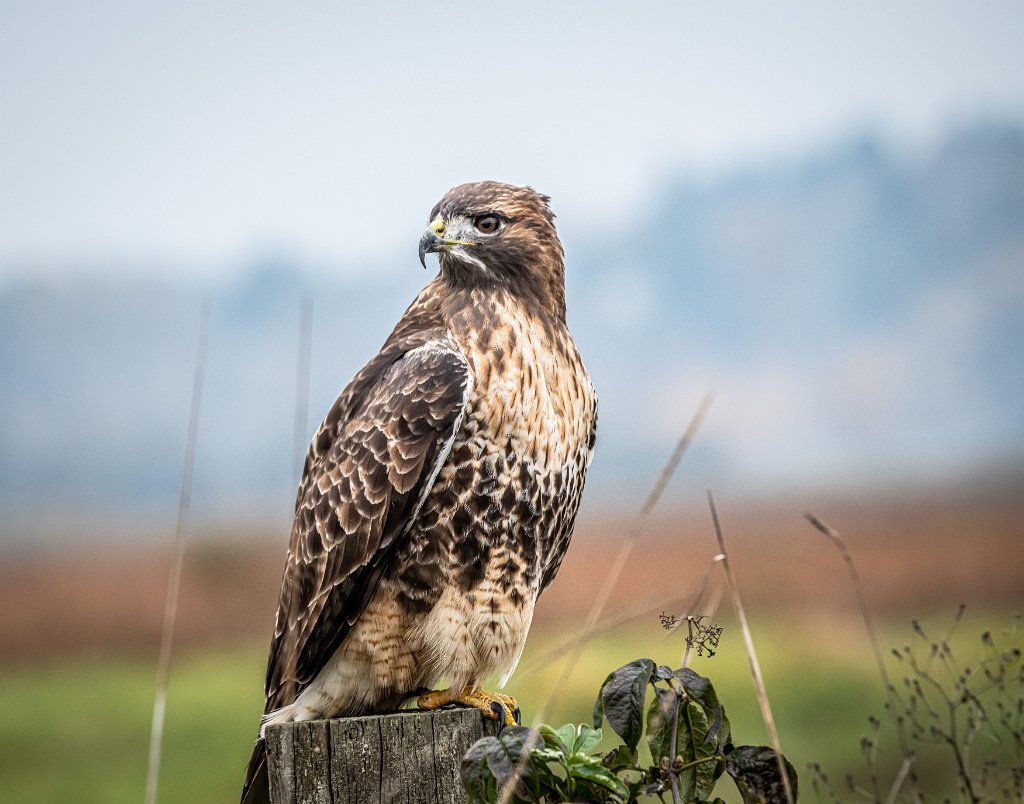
559, 766
492, 761
755, 769
621, 700
686, 729
696, 740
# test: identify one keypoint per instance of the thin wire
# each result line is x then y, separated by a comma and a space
174, 583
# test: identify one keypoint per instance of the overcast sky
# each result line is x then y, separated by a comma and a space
203, 132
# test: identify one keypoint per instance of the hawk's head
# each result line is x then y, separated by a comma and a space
488, 233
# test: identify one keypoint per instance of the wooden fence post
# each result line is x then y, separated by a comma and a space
403, 757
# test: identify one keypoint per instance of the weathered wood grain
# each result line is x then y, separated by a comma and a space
403, 757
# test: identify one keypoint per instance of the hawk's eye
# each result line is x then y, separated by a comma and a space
487, 224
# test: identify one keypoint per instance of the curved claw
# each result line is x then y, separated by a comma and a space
493, 705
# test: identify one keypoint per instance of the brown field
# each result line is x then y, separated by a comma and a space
916, 552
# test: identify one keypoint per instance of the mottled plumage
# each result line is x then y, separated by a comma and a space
439, 494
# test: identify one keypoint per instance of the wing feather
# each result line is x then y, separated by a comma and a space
369, 469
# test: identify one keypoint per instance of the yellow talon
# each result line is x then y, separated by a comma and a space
487, 702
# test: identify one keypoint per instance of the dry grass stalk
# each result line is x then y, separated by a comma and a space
748, 641
906, 773
300, 434
709, 611
174, 582
622, 616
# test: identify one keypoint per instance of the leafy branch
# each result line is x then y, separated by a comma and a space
686, 730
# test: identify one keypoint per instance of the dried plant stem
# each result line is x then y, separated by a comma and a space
174, 582
611, 577
620, 617
300, 436
686, 655
673, 462
748, 641
673, 775
869, 625
689, 645
709, 610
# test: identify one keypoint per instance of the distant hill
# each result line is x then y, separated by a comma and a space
859, 314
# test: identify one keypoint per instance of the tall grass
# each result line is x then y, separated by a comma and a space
163, 672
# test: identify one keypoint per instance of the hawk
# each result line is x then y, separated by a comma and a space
439, 493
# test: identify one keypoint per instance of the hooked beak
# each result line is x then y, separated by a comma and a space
432, 242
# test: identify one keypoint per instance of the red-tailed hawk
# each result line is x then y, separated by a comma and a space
439, 494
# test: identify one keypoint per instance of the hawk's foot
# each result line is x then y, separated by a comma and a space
494, 705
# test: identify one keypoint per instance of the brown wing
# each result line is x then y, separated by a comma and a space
369, 467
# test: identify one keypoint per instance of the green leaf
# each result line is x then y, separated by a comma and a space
567, 734
586, 739
556, 739
601, 777
700, 689
659, 723
698, 781
583, 759
691, 741
477, 778
755, 769
550, 755
491, 762
621, 700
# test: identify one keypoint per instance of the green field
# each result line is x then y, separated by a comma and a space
78, 731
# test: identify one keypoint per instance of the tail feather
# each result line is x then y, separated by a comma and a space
256, 789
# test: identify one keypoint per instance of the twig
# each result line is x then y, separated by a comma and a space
898, 781
755, 667
601, 598
174, 583
624, 615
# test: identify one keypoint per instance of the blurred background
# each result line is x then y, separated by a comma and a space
814, 211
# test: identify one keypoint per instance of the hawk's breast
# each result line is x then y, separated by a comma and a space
497, 521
